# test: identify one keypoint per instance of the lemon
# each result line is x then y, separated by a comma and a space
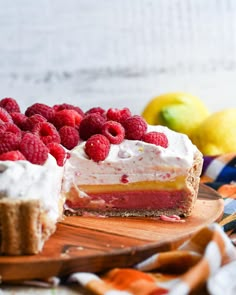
217, 134
181, 112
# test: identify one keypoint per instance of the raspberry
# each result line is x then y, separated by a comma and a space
135, 127
124, 178
66, 106
34, 150
12, 156
31, 121
97, 147
42, 109
119, 115
58, 152
114, 131
90, 125
67, 118
69, 137
98, 110
46, 132
5, 116
8, 142
19, 119
10, 127
10, 105
157, 138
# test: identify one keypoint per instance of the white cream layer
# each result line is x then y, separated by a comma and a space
144, 161
21, 179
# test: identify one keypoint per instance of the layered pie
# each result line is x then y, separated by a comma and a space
136, 178
60, 160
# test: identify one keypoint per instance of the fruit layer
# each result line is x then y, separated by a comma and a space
130, 199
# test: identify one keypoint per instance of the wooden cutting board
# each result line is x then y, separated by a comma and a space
96, 244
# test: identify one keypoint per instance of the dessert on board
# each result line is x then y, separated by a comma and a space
60, 160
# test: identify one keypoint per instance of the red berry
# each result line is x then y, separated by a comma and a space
34, 150
8, 142
42, 109
67, 118
46, 132
66, 106
114, 131
58, 152
135, 127
10, 105
10, 127
5, 116
97, 147
90, 125
124, 178
98, 110
119, 115
12, 156
31, 121
157, 138
69, 137
19, 119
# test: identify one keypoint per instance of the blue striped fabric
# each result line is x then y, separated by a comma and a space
219, 172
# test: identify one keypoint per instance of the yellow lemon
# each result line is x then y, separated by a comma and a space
181, 112
217, 134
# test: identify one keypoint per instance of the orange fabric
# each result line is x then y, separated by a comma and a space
196, 276
228, 191
202, 256
131, 280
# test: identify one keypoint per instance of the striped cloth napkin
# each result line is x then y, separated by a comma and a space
220, 174
205, 264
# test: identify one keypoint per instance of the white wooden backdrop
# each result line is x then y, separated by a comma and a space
117, 52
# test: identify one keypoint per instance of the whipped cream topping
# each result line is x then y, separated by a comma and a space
144, 161
22, 179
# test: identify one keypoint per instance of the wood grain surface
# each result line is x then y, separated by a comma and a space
96, 244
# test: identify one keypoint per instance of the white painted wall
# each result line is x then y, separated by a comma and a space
117, 52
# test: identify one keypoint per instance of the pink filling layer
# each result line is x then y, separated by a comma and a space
131, 200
